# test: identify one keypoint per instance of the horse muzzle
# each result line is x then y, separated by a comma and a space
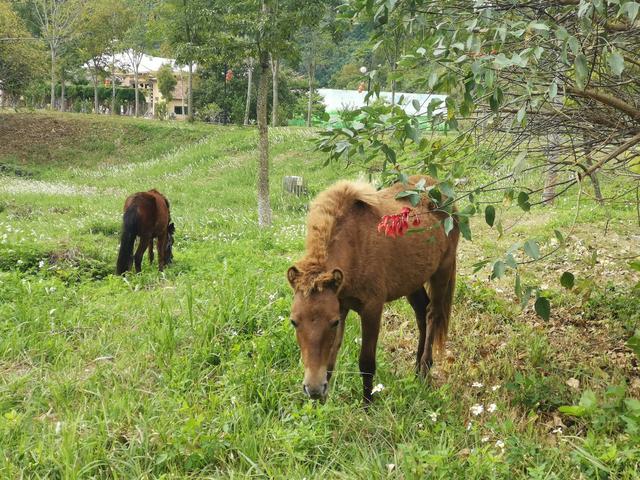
316, 392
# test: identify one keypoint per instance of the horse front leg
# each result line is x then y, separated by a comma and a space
162, 245
370, 319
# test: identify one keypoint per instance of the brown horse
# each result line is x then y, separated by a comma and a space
146, 215
350, 266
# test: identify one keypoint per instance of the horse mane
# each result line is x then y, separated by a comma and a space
326, 210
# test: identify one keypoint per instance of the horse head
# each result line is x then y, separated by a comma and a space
171, 229
319, 325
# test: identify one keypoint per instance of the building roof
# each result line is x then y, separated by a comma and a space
336, 100
148, 64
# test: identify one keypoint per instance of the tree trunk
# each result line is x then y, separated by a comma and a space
135, 79
62, 92
264, 207
593, 176
247, 107
190, 97
95, 89
113, 83
549, 193
312, 74
393, 88
53, 79
275, 67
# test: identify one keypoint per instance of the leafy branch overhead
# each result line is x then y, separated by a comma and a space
546, 93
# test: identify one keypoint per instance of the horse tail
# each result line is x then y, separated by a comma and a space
128, 238
441, 322
446, 289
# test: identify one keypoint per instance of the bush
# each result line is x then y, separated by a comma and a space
161, 111
209, 112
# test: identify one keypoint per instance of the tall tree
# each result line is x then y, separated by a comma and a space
21, 55
247, 107
181, 21
56, 21
251, 29
138, 38
275, 71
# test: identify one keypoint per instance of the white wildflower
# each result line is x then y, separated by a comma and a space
391, 467
495, 387
378, 388
477, 385
58, 428
500, 444
469, 425
477, 409
557, 431
485, 439
41, 264
433, 416
492, 408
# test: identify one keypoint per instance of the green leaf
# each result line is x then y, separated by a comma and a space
511, 261
582, 70
522, 111
553, 90
559, 236
448, 225
616, 62
633, 406
499, 268
463, 225
543, 307
479, 265
520, 164
574, 45
588, 401
635, 265
416, 105
539, 26
531, 248
523, 201
567, 280
573, 410
490, 215
631, 9
447, 189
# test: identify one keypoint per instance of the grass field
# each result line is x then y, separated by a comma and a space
195, 372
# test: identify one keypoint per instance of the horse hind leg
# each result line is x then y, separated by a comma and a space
150, 251
419, 301
142, 246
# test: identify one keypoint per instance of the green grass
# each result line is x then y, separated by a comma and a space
195, 372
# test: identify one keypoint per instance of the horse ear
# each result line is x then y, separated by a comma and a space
337, 279
292, 275
172, 228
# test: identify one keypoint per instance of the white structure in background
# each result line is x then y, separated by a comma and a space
337, 100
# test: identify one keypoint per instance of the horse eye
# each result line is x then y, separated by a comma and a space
294, 323
335, 324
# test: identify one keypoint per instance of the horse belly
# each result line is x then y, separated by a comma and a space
418, 257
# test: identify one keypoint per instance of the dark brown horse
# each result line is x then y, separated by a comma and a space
350, 266
146, 215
